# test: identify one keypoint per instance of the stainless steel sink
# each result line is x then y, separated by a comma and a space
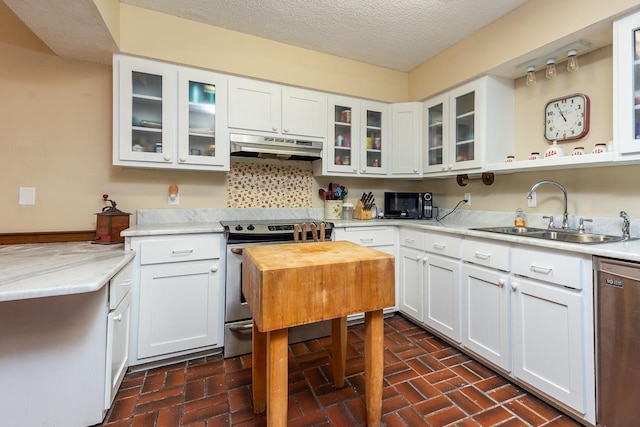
575, 237
510, 230
555, 235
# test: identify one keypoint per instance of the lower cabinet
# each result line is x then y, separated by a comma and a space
548, 350
486, 314
383, 239
441, 286
524, 310
177, 308
410, 288
178, 297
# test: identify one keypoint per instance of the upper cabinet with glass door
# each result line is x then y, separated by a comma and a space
469, 127
165, 116
201, 117
357, 138
626, 87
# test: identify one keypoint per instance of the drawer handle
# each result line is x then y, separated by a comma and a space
439, 246
214, 268
514, 286
501, 283
482, 256
409, 240
366, 239
118, 318
538, 269
181, 251
242, 327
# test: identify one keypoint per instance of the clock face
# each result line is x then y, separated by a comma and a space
566, 118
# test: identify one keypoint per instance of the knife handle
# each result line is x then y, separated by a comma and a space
295, 233
322, 231
304, 233
314, 231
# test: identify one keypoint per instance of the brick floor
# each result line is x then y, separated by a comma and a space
426, 383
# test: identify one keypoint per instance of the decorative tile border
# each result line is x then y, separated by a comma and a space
258, 184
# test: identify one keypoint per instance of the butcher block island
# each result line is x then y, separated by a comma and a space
295, 284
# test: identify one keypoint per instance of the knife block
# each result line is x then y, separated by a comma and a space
360, 213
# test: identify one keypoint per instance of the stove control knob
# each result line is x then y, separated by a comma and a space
250, 227
238, 228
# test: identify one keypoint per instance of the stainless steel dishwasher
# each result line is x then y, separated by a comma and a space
617, 319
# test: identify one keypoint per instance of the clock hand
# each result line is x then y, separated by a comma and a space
563, 117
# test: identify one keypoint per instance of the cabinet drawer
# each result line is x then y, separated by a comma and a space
179, 249
412, 238
120, 285
489, 254
368, 236
549, 266
442, 245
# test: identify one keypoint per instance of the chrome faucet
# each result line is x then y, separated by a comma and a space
565, 215
625, 225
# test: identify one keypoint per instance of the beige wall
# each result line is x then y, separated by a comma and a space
56, 135
531, 26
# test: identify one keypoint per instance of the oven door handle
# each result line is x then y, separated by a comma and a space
242, 327
237, 251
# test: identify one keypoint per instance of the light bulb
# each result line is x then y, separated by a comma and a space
551, 69
572, 61
531, 76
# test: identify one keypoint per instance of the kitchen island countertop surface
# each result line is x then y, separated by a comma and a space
53, 269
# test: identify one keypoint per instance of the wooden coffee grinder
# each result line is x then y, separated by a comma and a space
110, 223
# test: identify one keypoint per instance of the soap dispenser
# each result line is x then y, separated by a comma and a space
519, 218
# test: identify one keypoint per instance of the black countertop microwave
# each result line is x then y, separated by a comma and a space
408, 205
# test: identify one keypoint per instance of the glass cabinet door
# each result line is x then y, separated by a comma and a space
437, 134
200, 95
343, 135
464, 128
146, 131
375, 118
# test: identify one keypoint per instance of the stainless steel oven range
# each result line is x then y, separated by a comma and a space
238, 322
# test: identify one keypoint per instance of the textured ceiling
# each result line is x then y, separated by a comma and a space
396, 34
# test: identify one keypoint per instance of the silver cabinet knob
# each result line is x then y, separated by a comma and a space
183, 159
167, 158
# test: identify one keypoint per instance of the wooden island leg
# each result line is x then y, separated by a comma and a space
277, 377
339, 350
259, 370
373, 365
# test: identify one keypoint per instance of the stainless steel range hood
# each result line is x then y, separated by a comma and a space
274, 148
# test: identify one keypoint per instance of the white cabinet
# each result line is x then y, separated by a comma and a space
168, 116
552, 323
178, 300
441, 282
411, 272
469, 126
430, 280
118, 329
358, 138
406, 139
383, 239
626, 87
485, 308
276, 110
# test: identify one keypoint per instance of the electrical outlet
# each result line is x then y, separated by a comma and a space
467, 197
531, 201
27, 196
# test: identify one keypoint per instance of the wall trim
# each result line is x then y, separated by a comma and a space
47, 237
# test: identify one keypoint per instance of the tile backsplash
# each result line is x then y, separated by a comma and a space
259, 184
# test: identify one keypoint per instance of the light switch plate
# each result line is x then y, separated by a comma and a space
531, 202
27, 196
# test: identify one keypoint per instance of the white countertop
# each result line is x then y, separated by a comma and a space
52, 269
458, 223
